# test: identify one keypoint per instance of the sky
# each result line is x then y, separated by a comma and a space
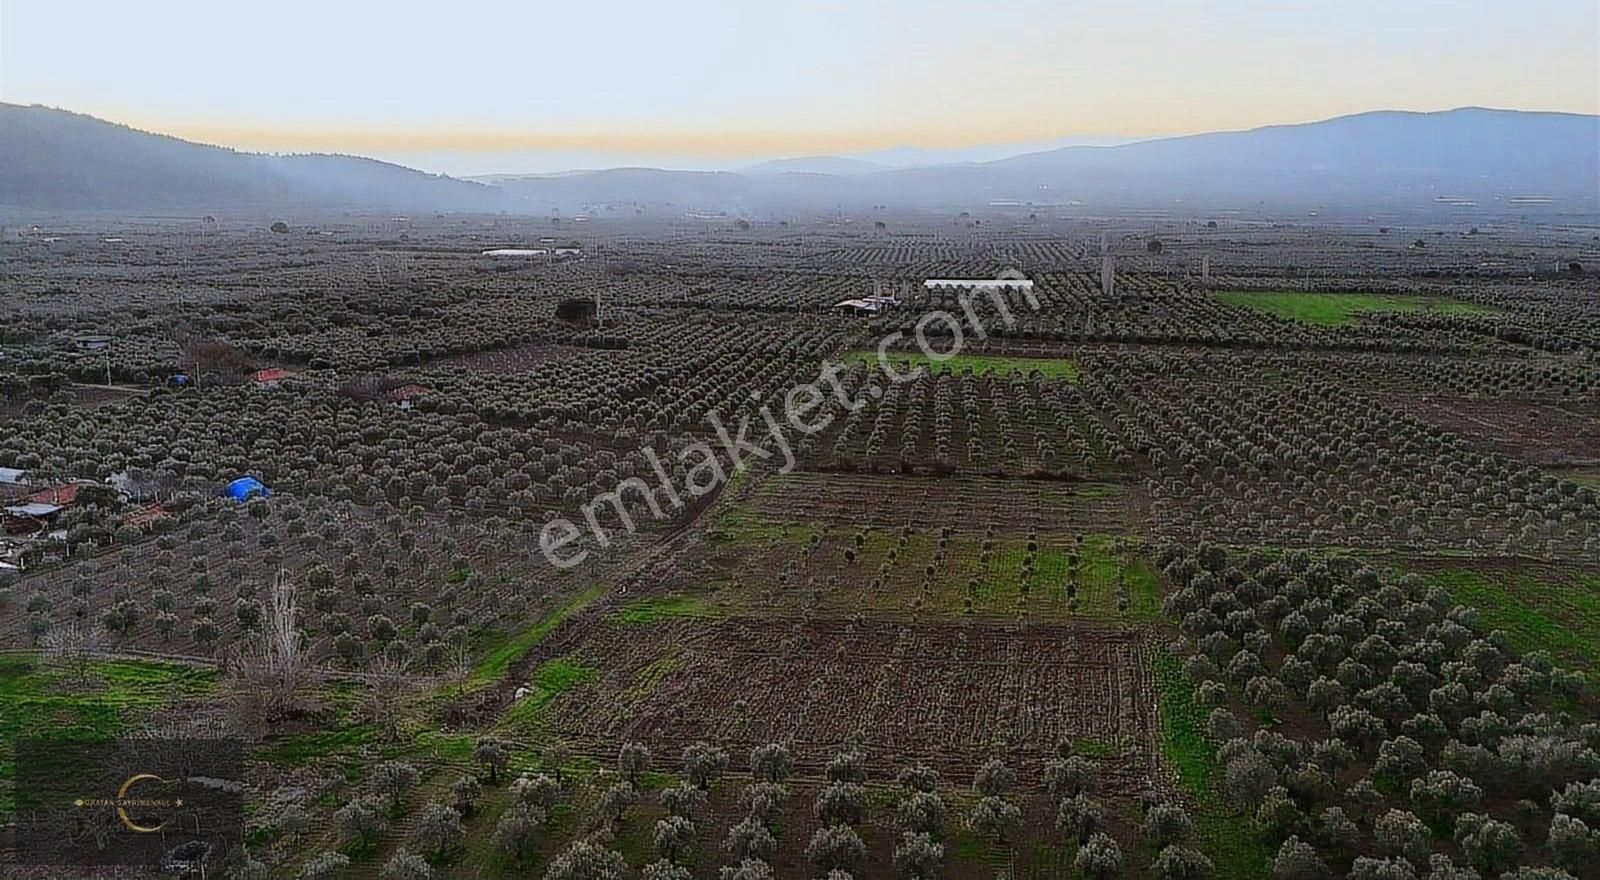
471, 87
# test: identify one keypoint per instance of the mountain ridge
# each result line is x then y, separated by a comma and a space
58, 159
1449, 160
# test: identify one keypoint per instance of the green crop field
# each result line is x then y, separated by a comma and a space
1335, 309
1559, 615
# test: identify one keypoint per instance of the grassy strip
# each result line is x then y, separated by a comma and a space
1336, 309
654, 610
1582, 476
1050, 368
1226, 834
499, 660
304, 748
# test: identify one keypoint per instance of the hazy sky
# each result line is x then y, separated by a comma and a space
470, 86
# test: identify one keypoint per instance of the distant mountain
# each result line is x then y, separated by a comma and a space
899, 158
1455, 162
1467, 161
1470, 153
842, 166
54, 159
912, 157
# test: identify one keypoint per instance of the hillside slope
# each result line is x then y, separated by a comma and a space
54, 159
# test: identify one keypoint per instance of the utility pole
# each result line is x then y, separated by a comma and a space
1108, 269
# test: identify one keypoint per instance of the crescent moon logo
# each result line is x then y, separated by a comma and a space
122, 795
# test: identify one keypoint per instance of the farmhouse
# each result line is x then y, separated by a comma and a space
270, 377
29, 518
64, 494
866, 305
859, 306
402, 396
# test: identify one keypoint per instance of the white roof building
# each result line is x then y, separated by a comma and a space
34, 509
515, 252
871, 305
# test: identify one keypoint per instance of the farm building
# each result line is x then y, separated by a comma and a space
140, 484
25, 519
516, 252
866, 306
38, 510
64, 494
405, 394
13, 477
270, 377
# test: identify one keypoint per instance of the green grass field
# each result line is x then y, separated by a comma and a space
1335, 309
1225, 834
1050, 368
499, 659
991, 585
1559, 616
95, 703
1582, 476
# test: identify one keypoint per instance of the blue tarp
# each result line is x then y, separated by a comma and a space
245, 488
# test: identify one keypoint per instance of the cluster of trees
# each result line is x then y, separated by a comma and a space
1172, 310
1431, 729
944, 421
1319, 461
356, 608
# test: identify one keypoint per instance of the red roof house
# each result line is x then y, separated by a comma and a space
64, 495
269, 376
